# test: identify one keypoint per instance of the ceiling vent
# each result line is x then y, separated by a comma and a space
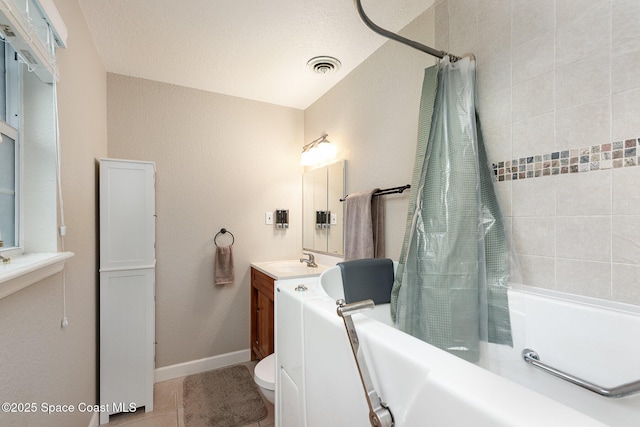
324, 64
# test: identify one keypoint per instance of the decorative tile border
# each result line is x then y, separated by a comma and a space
605, 156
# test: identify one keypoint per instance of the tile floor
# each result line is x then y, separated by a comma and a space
168, 408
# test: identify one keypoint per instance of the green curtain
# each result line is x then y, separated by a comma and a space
451, 284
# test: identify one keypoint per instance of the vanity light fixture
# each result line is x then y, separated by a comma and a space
317, 151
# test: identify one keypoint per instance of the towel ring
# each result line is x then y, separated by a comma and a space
224, 231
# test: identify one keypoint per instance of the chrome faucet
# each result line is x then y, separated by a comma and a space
311, 262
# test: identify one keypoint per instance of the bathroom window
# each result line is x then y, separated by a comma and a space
29, 143
9, 149
8, 196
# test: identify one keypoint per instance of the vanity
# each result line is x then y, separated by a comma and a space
322, 225
263, 277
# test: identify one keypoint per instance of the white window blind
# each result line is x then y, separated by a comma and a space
34, 29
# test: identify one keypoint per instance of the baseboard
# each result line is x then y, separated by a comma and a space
95, 420
201, 365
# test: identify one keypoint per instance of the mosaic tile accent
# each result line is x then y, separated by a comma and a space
596, 157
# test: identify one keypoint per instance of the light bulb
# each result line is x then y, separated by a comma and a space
306, 159
325, 151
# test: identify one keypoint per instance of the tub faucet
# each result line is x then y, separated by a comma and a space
311, 262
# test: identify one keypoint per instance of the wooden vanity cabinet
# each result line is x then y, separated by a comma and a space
262, 314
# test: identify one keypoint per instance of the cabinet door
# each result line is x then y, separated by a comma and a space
262, 311
127, 331
265, 324
127, 214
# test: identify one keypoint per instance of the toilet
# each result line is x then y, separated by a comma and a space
264, 375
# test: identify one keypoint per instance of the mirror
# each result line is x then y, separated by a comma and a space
322, 211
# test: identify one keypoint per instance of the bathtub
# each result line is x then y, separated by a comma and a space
317, 382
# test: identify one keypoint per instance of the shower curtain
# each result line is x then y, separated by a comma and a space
451, 284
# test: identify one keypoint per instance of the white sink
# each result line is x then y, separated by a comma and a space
292, 266
288, 269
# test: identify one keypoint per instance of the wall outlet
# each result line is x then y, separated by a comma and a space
334, 219
268, 218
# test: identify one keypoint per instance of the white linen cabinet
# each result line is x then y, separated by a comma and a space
127, 286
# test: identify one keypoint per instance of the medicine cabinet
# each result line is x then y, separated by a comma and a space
322, 210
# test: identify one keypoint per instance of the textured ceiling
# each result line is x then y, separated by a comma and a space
252, 49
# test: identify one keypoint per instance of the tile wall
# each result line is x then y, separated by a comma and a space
559, 96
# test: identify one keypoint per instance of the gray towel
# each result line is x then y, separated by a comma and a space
364, 226
223, 273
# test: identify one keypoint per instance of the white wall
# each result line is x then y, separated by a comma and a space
561, 76
40, 361
372, 117
221, 162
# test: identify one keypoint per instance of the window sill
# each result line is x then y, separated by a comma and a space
25, 270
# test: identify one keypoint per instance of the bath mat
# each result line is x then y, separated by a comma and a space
225, 397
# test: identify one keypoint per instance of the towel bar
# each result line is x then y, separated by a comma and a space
385, 191
532, 358
379, 414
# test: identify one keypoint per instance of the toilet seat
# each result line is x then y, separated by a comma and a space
264, 373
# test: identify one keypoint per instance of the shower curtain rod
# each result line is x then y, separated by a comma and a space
393, 36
